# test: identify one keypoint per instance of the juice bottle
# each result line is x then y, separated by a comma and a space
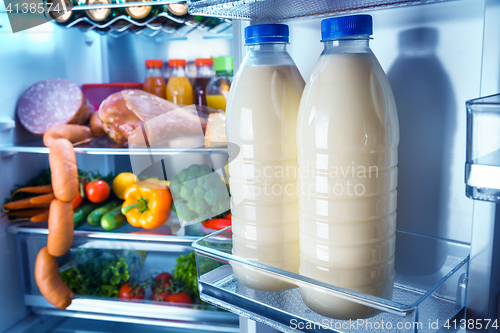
218, 87
154, 82
179, 89
261, 119
347, 138
204, 72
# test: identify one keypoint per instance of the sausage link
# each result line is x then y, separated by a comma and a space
60, 235
63, 169
49, 280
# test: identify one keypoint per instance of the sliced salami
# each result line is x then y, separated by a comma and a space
52, 102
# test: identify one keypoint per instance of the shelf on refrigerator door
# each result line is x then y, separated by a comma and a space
104, 146
279, 10
430, 286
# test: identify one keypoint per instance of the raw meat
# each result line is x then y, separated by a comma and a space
163, 121
52, 102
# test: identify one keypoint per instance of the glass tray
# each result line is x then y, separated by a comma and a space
279, 10
429, 289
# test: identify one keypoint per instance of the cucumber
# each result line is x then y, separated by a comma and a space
80, 214
94, 218
113, 219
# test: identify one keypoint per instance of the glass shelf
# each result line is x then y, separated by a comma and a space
278, 10
430, 287
103, 146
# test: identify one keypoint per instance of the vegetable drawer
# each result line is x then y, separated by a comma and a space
99, 263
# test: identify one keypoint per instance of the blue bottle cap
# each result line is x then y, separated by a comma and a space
355, 25
266, 33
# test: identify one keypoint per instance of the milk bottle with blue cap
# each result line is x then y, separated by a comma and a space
347, 138
261, 115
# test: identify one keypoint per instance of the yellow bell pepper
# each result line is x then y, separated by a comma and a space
146, 205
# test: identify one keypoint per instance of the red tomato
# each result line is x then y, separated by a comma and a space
181, 297
161, 296
162, 281
77, 201
129, 291
97, 191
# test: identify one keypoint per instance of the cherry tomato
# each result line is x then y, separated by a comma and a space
97, 191
162, 281
77, 201
131, 291
161, 296
181, 297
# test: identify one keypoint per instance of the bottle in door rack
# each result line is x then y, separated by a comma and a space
261, 119
347, 137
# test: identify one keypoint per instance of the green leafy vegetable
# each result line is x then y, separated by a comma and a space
186, 274
98, 272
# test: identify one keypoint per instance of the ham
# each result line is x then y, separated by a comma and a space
124, 112
52, 102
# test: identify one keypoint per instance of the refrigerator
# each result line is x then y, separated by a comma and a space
442, 59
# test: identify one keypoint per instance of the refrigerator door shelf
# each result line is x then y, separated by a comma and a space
288, 10
429, 288
146, 256
482, 170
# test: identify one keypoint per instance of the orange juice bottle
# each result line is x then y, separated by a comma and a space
179, 89
154, 82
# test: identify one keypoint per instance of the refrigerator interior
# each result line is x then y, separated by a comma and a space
436, 56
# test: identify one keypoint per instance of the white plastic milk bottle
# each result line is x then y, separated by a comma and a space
261, 119
347, 138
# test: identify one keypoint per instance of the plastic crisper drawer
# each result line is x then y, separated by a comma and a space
146, 255
429, 288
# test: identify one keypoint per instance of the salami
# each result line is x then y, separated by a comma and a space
52, 102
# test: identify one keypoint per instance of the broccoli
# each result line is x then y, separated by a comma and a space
199, 193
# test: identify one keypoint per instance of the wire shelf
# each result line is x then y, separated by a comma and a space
278, 10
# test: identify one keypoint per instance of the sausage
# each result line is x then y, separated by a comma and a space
63, 169
73, 133
60, 235
50, 282
96, 125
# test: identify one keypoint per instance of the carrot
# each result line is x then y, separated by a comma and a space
49, 280
63, 169
73, 133
22, 204
43, 199
35, 189
60, 235
42, 217
27, 212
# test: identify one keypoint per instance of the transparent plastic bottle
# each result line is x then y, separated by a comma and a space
218, 86
179, 89
204, 72
347, 138
261, 119
154, 82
